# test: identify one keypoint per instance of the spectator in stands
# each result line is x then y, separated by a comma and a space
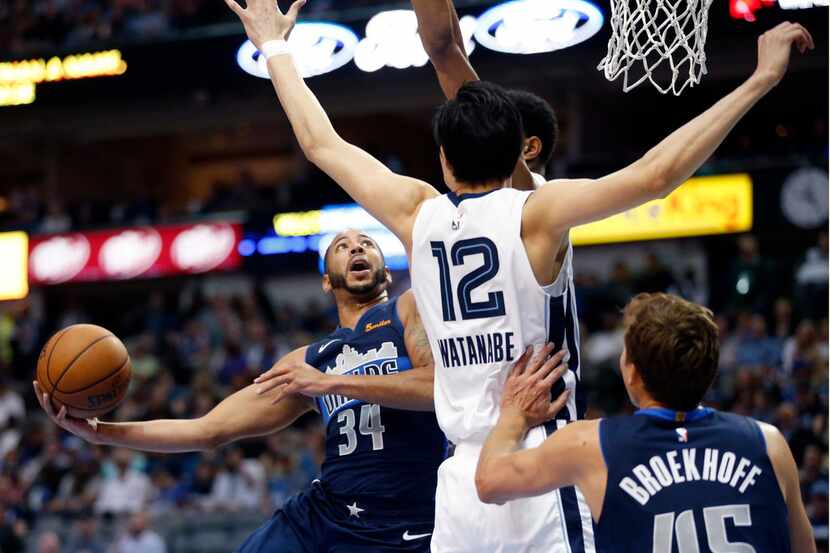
755, 348
139, 538
817, 512
126, 490
240, 483
11, 532
12, 413
747, 283
802, 350
49, 543
85, 537
811, 280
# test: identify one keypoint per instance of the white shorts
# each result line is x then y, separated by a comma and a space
463, 524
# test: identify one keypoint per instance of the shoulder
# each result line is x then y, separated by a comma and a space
406, 306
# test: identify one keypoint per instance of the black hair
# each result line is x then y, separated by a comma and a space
538, 119
481, 133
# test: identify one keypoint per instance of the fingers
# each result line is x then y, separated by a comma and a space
295, 8
38, 393
555, 373
557, 405
235, 7
521, 363
62, 414
538, 360
273, 372
266, 387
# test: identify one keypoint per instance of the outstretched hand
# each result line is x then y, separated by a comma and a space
774, 49
85, 429
293, 378
527, 389
263, 19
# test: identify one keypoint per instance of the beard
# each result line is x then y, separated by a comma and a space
370, 288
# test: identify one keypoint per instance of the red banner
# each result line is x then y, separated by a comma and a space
141, 252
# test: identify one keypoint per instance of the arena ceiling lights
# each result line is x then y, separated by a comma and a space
514, 27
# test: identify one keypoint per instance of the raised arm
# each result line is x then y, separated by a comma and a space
244, 414
560, 205
441, 36
392, 199
411, 390
801, 532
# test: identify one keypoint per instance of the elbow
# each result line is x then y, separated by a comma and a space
658, 182
438, 46
486, 487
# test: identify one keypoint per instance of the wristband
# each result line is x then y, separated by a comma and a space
273, 48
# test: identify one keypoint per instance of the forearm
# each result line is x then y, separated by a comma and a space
158, 436
681, 154
443, 42
309, 121
495, 469
411, 390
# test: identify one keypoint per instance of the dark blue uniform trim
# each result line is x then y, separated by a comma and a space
677, 416
456, 199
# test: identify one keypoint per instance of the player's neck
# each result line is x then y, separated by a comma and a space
350, 309
464, 188
651, 403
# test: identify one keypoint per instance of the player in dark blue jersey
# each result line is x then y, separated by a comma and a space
673, 477
372, 380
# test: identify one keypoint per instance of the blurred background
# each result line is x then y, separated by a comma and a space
150, 183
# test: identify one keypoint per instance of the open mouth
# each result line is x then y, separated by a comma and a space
359, 266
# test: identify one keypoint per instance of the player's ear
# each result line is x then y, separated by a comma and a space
388, 275
326, 284
532, 148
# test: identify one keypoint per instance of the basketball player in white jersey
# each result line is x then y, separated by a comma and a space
567, 512
483, 257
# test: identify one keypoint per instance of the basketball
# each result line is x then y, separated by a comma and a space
86, 368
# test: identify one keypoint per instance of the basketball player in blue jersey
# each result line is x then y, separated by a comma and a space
673, 477
483, 258
371, 380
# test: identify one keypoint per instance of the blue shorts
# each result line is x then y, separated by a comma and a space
317, 521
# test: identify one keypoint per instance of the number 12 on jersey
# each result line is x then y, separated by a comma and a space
493, 306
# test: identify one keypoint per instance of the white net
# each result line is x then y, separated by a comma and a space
661, 41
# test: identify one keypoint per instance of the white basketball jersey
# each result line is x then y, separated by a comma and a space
481, 305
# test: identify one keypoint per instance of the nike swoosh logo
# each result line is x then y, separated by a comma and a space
409, 537
327, 344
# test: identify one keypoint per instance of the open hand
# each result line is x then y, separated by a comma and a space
774, 49
263, 20
527, 389
84, 429
293, 378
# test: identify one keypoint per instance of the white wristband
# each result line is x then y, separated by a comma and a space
273, 48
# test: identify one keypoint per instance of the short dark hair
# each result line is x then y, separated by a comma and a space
673, 344
481, 133
538, 119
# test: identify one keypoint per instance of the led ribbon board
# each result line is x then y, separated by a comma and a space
515, 27
536, 26
318, 48
14, 278
18, 79
703, 205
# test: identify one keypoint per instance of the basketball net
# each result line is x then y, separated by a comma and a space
661, 41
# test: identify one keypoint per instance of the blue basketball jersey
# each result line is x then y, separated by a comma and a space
374, 451
697, 482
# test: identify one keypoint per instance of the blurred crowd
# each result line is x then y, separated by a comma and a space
28, 25
189, 350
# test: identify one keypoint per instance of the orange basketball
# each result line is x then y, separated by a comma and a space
86, 368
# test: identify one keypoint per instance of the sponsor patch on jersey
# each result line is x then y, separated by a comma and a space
682, 435
374, 326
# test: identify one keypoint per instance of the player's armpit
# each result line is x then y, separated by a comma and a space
786, 471
570, 456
